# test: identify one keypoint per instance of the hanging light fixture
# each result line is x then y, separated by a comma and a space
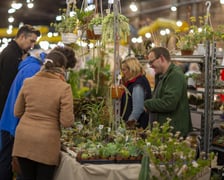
133, 7
173, 8
110, 1
16, 5
30, 4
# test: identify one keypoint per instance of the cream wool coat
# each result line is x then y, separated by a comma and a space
44, 104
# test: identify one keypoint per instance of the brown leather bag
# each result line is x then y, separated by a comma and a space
16, 166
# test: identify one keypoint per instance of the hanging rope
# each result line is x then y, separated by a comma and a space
68, 4
208, 17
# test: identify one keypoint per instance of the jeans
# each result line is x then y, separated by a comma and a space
6, 145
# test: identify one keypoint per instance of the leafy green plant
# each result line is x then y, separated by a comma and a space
108, 27
171, 155
84, 17
96, 20
198, 32
68, 23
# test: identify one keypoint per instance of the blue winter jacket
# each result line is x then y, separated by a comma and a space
27, 68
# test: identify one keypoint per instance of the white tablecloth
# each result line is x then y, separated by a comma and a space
70, 169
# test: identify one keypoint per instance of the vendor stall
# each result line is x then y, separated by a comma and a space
70, 169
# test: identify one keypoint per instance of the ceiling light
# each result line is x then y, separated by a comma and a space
11, 19
16, 5
148, 35
110, 1
133, 7
162, 32
173, 8
11, 10
134, 40
222, 1
58, 18
9, 31
179, 23
30, 5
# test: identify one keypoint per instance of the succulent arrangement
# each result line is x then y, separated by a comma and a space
172, 156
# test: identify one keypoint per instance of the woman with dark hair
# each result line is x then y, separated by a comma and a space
70, 55
43, 105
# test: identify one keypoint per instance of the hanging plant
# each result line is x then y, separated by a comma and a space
68, 23
108, 28
96, 24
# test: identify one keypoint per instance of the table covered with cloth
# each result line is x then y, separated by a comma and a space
70, 169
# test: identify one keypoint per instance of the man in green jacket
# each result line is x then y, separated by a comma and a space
170, 94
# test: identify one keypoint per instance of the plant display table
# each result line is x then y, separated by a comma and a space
70, 169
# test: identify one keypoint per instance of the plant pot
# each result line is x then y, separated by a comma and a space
116, 91
92, 35
68, 38
187, 52
97, 29
201, 49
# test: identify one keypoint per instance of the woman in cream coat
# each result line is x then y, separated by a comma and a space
43, 105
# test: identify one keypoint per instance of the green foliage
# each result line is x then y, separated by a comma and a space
96, 76
172, 156
199, 32
108, 28
97, 20
68, 23
144, 171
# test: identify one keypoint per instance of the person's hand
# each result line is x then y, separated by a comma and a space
131, 124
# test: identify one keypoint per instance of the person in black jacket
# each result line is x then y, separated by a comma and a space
132, 102
10, 58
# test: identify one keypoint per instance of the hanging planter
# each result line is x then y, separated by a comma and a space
116, 91
97, 29
68, 38
108, 28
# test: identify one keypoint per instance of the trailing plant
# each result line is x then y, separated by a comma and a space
108, 27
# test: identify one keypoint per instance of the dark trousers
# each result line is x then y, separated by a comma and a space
6, 145
32, 170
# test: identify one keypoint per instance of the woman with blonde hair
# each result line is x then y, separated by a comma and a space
132, 102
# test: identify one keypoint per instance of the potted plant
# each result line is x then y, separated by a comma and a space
67, 27
96, 24
108, 27
199, 31
173, 156
186, 43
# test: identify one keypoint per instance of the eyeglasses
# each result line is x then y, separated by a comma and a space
152, 61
